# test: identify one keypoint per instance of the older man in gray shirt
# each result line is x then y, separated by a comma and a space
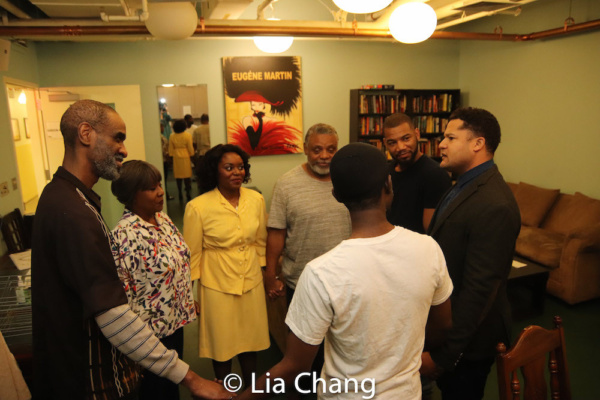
305, 221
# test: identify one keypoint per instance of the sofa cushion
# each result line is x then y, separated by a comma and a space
534, 203
540, 245
571, 213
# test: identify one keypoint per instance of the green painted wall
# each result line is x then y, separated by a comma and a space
545, 95
330, 69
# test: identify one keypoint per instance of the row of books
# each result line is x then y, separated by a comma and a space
382, 104
430, 124
389, 103
430, 147
375, 142
377, 86
432, 104
371, 126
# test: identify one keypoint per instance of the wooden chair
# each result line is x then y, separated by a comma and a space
14, 232
529, 353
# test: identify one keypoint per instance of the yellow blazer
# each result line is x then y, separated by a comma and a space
227, 245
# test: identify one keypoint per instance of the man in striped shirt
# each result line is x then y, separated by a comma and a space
87, 342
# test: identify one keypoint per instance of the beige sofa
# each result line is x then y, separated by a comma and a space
562, 232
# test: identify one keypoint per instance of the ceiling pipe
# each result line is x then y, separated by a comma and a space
557, 32
220, 29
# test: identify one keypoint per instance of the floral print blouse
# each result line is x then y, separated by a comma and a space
153, 263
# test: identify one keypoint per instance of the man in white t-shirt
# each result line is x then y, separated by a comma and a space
370, 298
305, 220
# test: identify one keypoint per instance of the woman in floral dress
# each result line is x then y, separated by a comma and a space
153, 263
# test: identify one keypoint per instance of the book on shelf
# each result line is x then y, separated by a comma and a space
437, 103
371, 125
428, 124
374, 142
381, 104
430, 147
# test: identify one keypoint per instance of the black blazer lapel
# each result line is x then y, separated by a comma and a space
464, 195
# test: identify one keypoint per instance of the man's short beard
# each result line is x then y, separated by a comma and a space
105, 163
319, 170
409, 162
107, 168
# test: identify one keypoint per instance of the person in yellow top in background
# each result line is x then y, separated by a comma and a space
225, 228
181, 149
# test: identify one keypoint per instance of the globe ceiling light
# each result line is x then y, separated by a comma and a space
273, 44
172, 20
413, 22
362, 6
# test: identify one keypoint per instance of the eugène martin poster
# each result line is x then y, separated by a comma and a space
263, 104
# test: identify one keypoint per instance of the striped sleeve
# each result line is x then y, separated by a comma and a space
127, 332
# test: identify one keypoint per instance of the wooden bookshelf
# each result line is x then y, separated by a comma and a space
429, 109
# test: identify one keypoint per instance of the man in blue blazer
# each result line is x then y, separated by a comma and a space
476, 224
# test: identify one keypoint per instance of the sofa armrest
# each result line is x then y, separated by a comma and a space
590, 236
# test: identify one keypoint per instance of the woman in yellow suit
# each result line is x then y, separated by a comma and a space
225, 228
181, 148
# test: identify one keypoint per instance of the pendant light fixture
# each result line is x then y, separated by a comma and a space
413, 22
172, 20
273, 44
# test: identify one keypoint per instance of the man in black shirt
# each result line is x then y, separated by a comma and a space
85, 336
418, 181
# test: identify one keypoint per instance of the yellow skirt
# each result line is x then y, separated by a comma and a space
182, 167
232, 324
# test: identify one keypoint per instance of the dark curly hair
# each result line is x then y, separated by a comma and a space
179, 126
482, 123
209, 174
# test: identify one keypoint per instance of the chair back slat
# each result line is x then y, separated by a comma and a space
534, 350
536, 387
554, 383
515, 386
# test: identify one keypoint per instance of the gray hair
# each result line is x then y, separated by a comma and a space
320, 129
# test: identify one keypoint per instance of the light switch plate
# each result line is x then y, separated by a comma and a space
4, 189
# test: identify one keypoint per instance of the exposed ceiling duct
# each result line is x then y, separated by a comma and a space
87, 32
80, 20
